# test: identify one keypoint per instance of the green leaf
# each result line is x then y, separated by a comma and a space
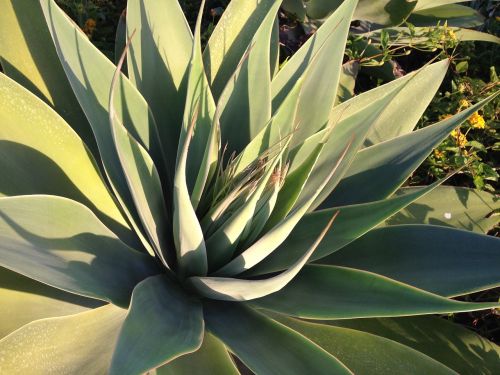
142, 179
230, 39
379, 170
352, 222
222, 243
280, 231
162, 323
428, 4
199, 111
319, 90
268, 347
64, 344
450, 206
364, 353
158, 60
451, 344
452, 14
28, 56
347, 81
245, 102
188, 235
230, 289
422, 84
331, 292
295, 7
211, 358
121, 39
61, 243
90, 74
34, 163
25, 300
381, 12
444, 261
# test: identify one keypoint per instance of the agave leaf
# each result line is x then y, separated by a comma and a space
298, 63
445, 261
200, 110
278, 233
63, 344
121, 39
142, 179
275, 48
452, 14
453, 345
222, 244
378, 171
61, 243
231, 37
381, 12
60, 164
451, 206
352, 223
347, 81
278, 127
188, 235
422, 84
158, 63
332, 292
90, 74
428, 4
229, 289
319, 90
25, 300
245, 102
211, 358
162, 323
268, 347
28, 56
381, 356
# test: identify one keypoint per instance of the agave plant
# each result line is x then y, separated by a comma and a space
210, 206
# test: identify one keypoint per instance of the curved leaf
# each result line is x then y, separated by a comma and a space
378, 171
230, 289
268, 347
352, 222
452, 14
64, 344
444, 261
25, 300
450, 206
451, 344
245, 102
142, 179
330, 292
230, 38
158, 61
28, 56
364, 353
61, 243
162, 323
90, 74
211, 358
40, 154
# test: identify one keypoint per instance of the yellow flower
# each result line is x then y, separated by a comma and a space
460, 138
463, 103
438, 154
89, 26
477, 121
445, 117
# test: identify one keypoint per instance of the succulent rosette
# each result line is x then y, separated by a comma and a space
184, 208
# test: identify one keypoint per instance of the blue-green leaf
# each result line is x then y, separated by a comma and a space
162, 323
